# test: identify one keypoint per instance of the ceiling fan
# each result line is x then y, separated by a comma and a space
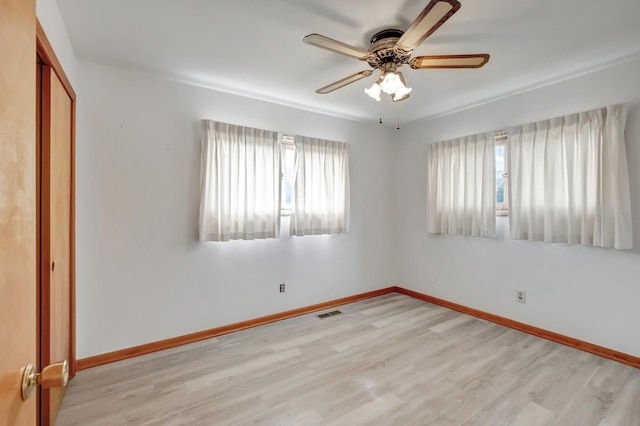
392, 48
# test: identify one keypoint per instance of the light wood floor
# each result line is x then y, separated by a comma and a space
392, 360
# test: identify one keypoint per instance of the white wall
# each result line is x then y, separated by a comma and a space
141, 274
586, 293
49, 16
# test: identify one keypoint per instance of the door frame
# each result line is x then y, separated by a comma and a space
47, 56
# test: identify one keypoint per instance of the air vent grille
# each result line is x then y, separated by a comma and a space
329, 314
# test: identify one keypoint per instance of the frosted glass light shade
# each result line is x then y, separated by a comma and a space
390, 83
374, 91
401, 92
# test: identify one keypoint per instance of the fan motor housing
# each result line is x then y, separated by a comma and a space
385, 34
384, 50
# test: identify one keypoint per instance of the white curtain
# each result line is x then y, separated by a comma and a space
569, 180
321, 188
461, 191
240, 183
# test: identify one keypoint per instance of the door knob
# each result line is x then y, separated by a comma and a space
52, 376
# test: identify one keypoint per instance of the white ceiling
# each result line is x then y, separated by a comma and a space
254, 47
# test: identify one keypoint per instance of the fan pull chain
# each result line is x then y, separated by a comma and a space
397, 122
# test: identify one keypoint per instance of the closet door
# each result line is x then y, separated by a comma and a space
56, 233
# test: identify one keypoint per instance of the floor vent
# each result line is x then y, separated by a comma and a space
329, 314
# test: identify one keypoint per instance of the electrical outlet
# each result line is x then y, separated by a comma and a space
521, 296
282, 288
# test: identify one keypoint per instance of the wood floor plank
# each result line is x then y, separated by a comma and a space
390, 360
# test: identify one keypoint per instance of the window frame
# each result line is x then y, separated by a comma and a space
502, 139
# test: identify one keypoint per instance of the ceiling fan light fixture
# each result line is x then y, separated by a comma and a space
392, 83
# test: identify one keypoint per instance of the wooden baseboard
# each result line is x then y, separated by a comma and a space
545, 334
123, 354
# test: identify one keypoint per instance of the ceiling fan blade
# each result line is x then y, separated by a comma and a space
449, 61
435, 14
341, 83
327, 43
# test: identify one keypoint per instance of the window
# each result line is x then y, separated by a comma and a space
461, 193
288, 156
502, 175
321, 188
251, 177
240, 183
569, 179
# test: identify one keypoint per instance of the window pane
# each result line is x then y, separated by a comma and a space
287, 187
499, 174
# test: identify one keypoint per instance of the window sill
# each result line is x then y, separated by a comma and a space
502, 212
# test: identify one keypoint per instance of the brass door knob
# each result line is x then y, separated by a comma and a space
52, 376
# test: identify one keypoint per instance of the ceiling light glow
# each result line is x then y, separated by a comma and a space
391, 83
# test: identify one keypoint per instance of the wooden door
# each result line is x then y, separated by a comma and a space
18, 329
55, 233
